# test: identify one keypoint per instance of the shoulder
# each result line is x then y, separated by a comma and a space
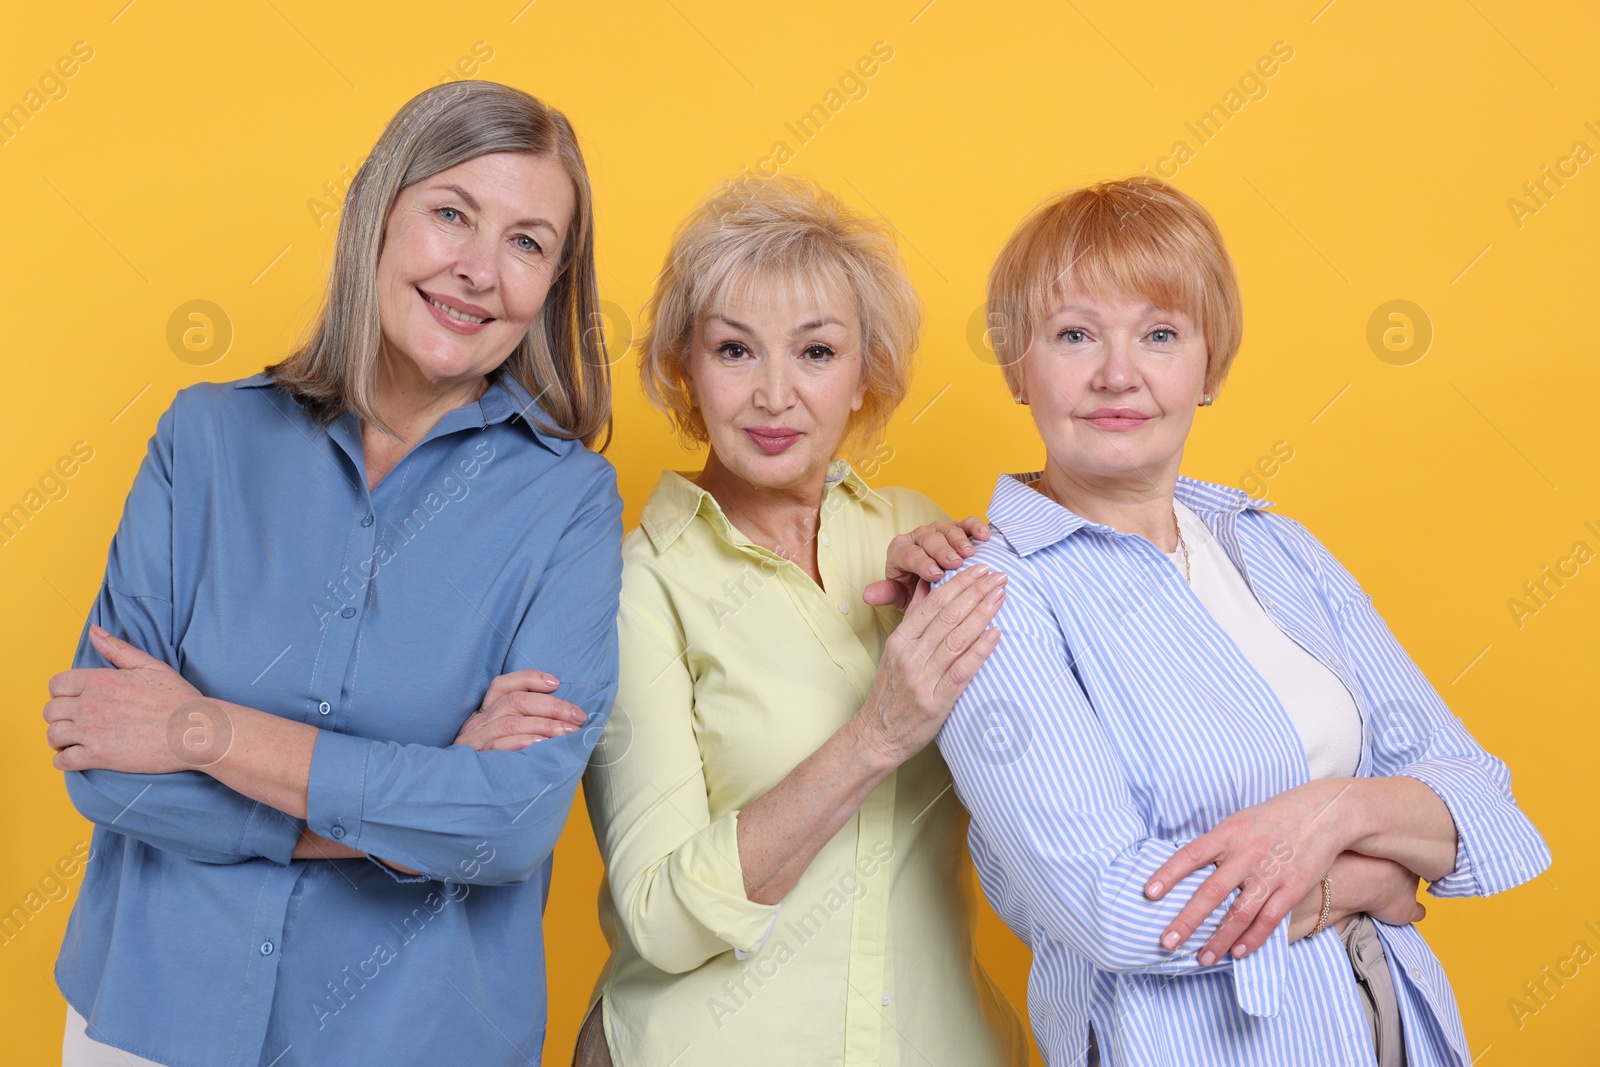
1292, 545
1029, 603
906, 507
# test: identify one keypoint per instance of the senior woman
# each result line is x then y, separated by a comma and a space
319, 571
1198, 747
786, 878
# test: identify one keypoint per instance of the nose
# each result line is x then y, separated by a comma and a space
475, 264
775, 392
1116, 373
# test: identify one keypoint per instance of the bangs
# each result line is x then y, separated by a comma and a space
767, 279
1129, 239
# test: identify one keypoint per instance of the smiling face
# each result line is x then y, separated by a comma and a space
1112, 384
469, 255
775, 376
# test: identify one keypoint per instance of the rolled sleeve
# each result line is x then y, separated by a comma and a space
1495, 850
708, 878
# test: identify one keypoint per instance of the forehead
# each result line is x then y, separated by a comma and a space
517, 185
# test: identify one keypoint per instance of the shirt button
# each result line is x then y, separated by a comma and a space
266, 948
826, 540
1416, 972
337, 831
366, 520
886, 999
1267, 602
348, 613
844, 607
324, 707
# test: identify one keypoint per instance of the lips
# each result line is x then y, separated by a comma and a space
456, 315
772, 439
1116, 419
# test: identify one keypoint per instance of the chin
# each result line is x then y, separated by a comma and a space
774, 472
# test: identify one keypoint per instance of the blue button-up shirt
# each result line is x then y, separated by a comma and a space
253, 559
1116, 721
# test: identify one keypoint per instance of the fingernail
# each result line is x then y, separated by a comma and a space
1207, 958
569, 728
1239, 951
981, 569
550, 679
1170, 939
1153, 889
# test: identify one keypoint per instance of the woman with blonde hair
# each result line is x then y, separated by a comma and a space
1198, 749
786, 879
319, 572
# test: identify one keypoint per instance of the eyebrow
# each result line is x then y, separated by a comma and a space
472, 202
814, 324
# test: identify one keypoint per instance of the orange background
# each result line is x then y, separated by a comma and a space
1381, 162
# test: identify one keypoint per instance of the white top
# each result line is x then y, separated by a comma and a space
1318, 704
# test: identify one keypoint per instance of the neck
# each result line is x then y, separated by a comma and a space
783, 519
1140, 504
411, 403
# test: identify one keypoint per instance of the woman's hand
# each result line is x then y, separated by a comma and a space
928, 661
1274, 853
517, 711
924, 554
1360, 884
129, 717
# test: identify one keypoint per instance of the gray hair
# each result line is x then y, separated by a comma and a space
561, 360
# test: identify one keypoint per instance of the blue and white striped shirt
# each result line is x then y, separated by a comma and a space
1104, 732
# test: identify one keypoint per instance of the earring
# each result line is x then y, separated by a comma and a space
1019, 400
1206, 400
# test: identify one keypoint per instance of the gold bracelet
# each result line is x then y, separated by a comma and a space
1327, 907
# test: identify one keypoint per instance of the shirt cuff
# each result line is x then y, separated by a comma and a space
741, 954
1259, 978
336, 790
709, 881
1493, 852
269, 832
399, 876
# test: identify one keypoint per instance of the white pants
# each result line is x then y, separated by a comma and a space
78, 1049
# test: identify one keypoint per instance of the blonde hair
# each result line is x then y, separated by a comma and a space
791, 233
1132, 237
561, 360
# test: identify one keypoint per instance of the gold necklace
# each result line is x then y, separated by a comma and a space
1183, 546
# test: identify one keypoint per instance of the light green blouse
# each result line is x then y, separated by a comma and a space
735, 666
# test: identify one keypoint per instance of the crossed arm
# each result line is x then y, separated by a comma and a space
1375, 839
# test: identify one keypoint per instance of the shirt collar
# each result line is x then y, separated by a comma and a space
505, 397
677, 501
1031, 521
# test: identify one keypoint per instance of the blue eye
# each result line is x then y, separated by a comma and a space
1163, 334
449, 214
527, 244
1072, 335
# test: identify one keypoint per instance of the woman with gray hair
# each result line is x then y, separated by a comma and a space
319, 571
